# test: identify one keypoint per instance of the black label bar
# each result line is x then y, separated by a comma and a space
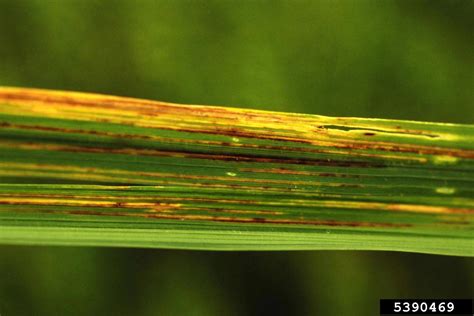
426, 306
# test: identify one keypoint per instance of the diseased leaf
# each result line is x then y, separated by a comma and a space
84, 169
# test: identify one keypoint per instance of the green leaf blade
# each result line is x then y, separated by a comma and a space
85, 169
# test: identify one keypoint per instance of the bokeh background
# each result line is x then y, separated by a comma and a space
389, 59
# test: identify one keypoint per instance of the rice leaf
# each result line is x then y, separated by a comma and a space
98, 170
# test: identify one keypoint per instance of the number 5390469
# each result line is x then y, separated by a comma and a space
441, 307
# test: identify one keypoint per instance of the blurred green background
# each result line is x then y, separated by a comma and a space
389, 59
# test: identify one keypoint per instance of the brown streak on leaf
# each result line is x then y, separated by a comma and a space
221, 157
